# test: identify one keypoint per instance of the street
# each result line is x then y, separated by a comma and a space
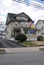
23, 58
9, 44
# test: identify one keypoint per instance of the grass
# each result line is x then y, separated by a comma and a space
28, 44
2, 51
42, 49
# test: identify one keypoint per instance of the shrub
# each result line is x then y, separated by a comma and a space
20, 37
40, 38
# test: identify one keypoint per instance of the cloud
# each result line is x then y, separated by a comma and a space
15, 7
33, 12
5, 7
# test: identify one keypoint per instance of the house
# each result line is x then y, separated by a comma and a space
40, 28
2, 30
16, 21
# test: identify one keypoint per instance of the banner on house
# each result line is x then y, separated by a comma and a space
32, 31
32, 26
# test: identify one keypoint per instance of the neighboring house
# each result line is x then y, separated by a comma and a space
16, 21
40, 28
2, 34
2, 30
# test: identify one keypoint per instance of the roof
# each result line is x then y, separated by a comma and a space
29, 19
23, 13
12, 17
39, 21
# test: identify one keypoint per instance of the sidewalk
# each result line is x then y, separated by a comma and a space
13, 50
23, 49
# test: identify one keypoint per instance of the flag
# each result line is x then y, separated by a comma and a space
30, 23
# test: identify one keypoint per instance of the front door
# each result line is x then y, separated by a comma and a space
16, 31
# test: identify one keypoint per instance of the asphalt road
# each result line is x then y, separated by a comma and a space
9, 44
23, 58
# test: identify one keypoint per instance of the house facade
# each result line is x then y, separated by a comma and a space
16, 21
2, 30
40, 28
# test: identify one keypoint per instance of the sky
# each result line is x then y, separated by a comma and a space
9, 6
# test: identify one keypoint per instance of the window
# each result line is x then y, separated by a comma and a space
22, 24
43, 33
15, 24
26, 25
21, 18
27, 31
39, 23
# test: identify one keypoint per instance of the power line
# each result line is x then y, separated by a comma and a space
37, 5
31, 3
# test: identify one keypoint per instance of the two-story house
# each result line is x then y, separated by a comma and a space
40, 28
16, 21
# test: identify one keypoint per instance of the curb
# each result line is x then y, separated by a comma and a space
14, 50
23, 49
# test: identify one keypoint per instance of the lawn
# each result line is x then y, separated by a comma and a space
28, 44
33, 43
2, 51
42, 49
